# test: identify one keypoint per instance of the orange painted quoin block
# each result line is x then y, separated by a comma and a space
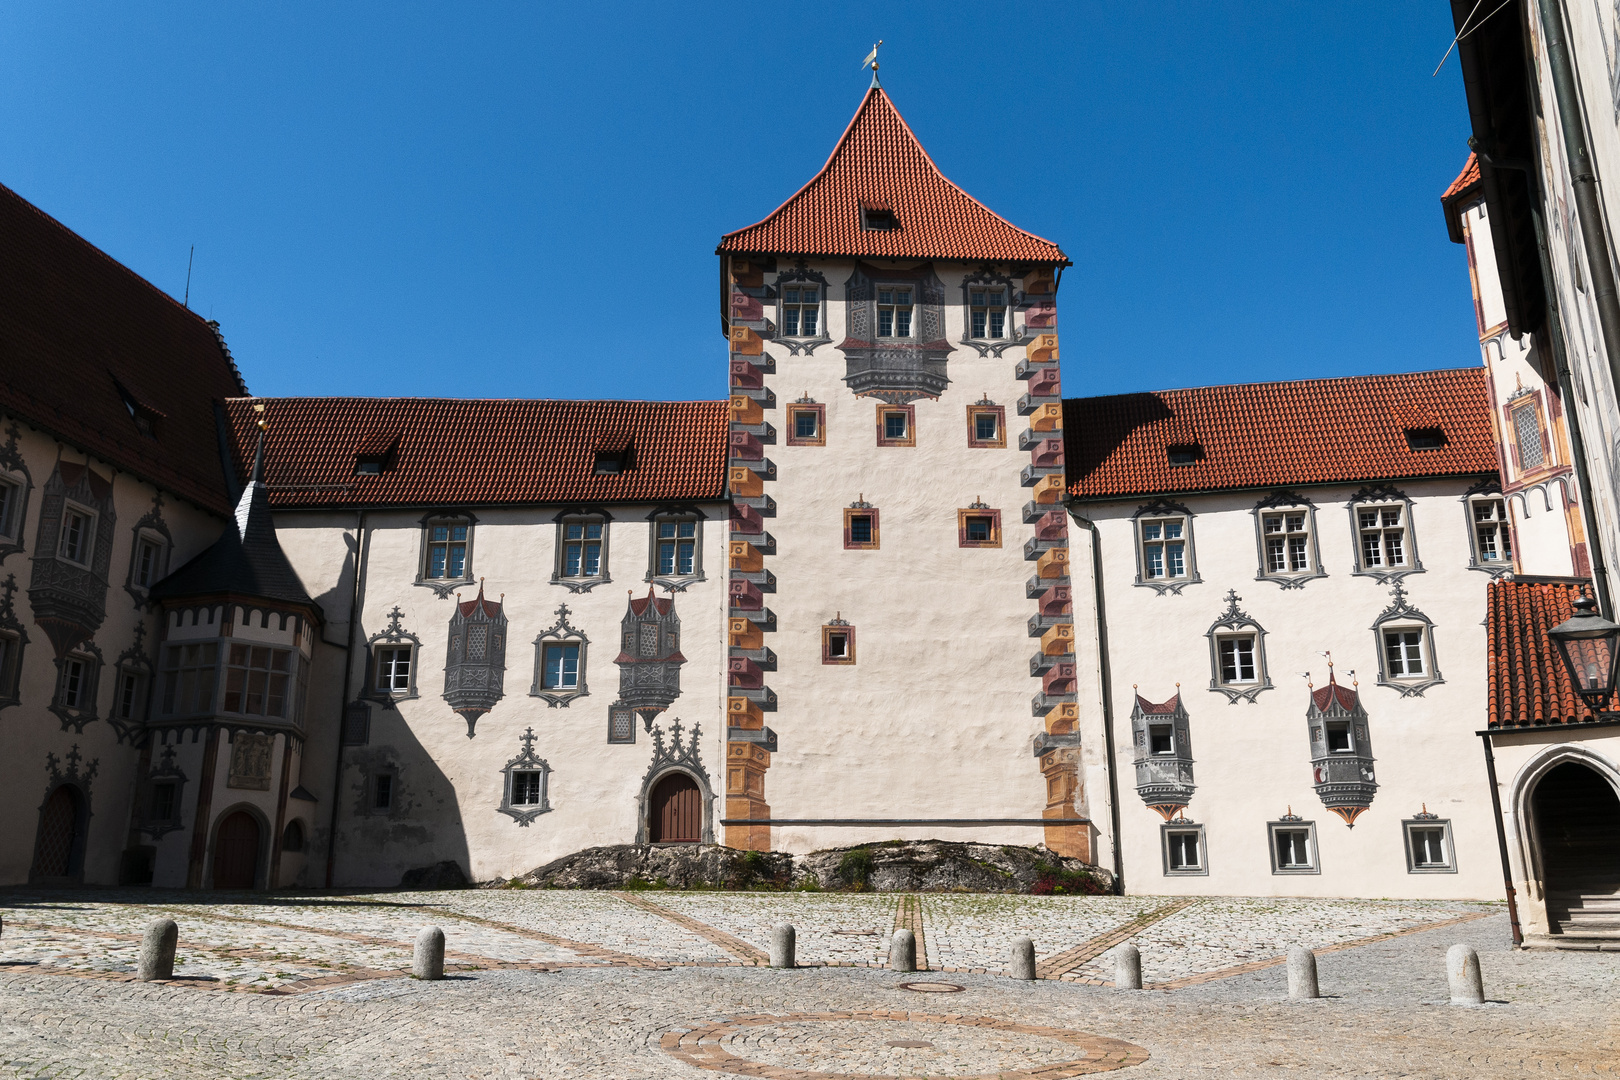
745, 556
743, 713
1040, 283
1048, 417
1062, 718
745, 410
746, 482
747, 274
1050, 489
1053, 564
1043, 349
1058, 641
745, 634
744, 342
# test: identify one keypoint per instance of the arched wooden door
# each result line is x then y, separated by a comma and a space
1578, 826
58, 834
675, 811
236, 852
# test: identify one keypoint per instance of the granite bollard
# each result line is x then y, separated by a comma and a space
903, 951
1462, 972
1302, 974
1023, 959
157, 950
783, 940
1127, 967
427, 962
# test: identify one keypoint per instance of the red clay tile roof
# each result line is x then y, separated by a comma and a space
880, 164
455, 452
1451, 202
1346, 696
1150, 709
1529, 684
1279, 434
79, 332
492, 608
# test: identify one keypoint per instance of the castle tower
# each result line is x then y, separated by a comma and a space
900, 623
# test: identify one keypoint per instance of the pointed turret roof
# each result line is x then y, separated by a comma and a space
880, 165
246, 560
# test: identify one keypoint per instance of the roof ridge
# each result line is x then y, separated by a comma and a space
1281, 382
268, 398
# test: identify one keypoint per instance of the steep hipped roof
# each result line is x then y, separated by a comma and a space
245, 561
1461, 190
447, 452
1325, 697
1529, 684
1166, 708
879, 162
85, 343
1279, 434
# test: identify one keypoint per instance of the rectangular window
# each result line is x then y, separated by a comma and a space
1338, 737
987, 313
838, 643
677, 547
256, 680
1383, 536
148, 562
163, 802
526, 788
1184, 850
801, 311
1492, 536
1287, 538
1428, 846
1164, 552
10, 498
188, 678
987, 425
130, 687
1403, 653
978, 527
78, 536
582, 549
447, 550
70, 691
394, 669
808, 422
860, 528
560, 668
894, 426
894, 313
978, 530
1293, 847
1527, 432
1237, 659
10, 655
382, 791
1161, 739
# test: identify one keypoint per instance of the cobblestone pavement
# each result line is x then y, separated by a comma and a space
559, 984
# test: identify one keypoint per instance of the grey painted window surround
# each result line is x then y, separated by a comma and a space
443, 587
14, 471
1401, 615
582, 515
676, 582
987, 279
1236, 623
528, 775
1295, 824
392, 636
559, 633
1485, 491
1168, 832
1161, 509
82, 709
1427, 821
801, 274
152, 530
1381, 496
13, 643
1283, 502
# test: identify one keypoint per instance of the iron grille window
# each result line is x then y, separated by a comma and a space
1527, 433
860, 529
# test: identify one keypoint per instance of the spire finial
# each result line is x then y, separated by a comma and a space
872, 62
258, 454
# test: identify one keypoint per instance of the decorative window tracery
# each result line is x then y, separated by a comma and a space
1237, 653
1404, 638
1166, 560
801, 312
1285, 536
393, 661
559, 662
526, 784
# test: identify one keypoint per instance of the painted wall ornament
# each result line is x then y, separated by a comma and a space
526, 784
11, 461
1341, 749
649, 656
17, 640
250, 761
68, 590
475, 666
1164, 762
881, 362
676, 756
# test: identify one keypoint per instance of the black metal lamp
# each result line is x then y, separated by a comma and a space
1590, 646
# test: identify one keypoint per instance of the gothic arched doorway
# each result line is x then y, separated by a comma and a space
57, 853
1577, 818
236, 851
675, 811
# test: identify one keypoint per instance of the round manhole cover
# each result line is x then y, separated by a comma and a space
865, 1045
933, 987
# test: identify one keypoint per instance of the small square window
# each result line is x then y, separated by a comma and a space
861, 527
608, 463
987, 425
1185, 454
1161, 739
838, 643
1293, 847
1184, 849
1339, 737
879, 219
896, 425
621, 725
978, 527
807, 423
1428, 846
382, 791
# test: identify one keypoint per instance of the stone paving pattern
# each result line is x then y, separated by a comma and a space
562, 984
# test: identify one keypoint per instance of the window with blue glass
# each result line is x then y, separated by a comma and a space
560, 667
448, 541
582, 547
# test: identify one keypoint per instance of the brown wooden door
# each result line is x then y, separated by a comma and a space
676, 813
236, 852
58, 829
1578, 826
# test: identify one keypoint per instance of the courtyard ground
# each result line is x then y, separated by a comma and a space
673, 984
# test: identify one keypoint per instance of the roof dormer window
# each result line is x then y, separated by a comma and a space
1427, 438
878, 216
608, 463
1185, 453
375, 454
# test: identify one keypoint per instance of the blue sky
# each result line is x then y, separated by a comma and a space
523, 200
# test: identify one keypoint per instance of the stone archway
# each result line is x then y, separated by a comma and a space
239, 842
675, 810
1575, 815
